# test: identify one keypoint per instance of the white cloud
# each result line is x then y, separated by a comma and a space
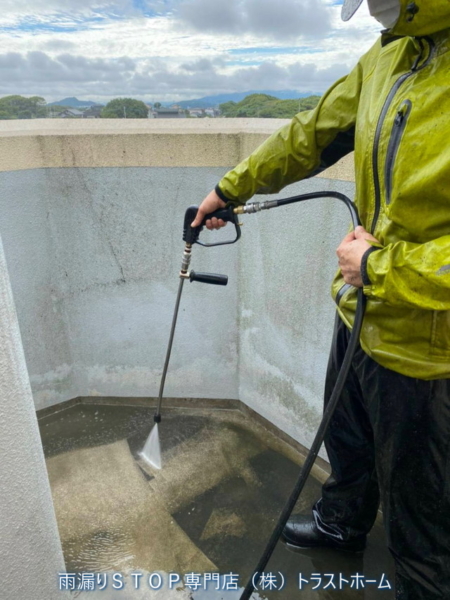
19, 9
101, 78
291, 19
162, 58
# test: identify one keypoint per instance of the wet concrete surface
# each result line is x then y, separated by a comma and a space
210, 509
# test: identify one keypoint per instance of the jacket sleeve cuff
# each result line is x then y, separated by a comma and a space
364, 274
222, 196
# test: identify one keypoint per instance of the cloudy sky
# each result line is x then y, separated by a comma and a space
163, 50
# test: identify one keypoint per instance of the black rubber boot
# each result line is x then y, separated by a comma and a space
302, 532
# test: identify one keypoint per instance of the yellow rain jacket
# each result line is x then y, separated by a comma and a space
393, 109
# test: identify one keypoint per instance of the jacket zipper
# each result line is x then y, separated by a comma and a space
398, 128
384, 110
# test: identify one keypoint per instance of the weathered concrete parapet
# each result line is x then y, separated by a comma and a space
30, 550
92, 213
55, 143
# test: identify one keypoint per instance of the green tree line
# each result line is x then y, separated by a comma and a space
125, 108
18, 107
264, 106
255, 105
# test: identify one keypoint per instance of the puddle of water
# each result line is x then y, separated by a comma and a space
210, 509
136, 587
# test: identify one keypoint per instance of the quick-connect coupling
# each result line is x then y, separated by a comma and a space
254, 207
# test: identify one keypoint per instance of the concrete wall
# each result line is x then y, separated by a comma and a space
30, 550
286, 313
92, 216
94, 256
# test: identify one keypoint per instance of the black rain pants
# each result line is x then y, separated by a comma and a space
389, 439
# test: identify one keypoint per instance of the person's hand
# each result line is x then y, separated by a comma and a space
211, 203
350, 253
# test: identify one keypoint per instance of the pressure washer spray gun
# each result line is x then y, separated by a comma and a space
151, 452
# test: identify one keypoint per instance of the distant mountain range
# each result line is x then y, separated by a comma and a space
73, 103
209, 101
205, 102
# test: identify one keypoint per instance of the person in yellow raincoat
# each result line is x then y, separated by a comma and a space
390, 435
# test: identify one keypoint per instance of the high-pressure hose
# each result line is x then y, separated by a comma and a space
312, 454
328, 413
253, 207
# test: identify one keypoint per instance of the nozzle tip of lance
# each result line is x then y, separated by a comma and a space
157, 418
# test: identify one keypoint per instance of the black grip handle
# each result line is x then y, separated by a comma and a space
211, 278
191, 234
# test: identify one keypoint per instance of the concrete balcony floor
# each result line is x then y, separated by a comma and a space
210, 509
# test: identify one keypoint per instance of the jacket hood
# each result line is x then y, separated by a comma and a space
422, 17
